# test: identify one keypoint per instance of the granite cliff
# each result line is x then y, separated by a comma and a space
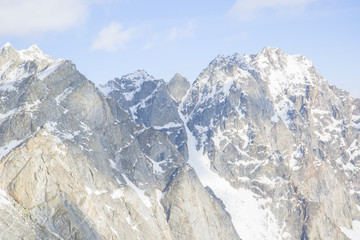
257, 147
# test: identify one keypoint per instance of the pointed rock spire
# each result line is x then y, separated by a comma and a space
178, 87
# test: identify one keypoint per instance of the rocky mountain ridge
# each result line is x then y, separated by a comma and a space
258, 147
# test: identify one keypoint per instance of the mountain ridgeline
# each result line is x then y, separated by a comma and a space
257, 147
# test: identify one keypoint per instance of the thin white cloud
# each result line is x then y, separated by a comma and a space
23, 17
245, 10
113, 37
181, 32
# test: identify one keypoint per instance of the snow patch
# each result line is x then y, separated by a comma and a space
112, 164
4, 150
49, 69
3, 200
251, 219
294, 161
117, 194
11, 74
7, 114
106, 89
168, 125
61, 97
353, 233
159, 195
140, 193
88, 190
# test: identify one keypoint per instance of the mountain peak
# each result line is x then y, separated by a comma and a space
34, 53
14, 63
7, 45
284, 71
222, 61
138, 75
269, 49
177, 75
278, 56
178, 87
7, 51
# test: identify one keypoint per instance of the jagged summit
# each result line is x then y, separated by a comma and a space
278, 69
7, 45
33, 53
222, 61
258, 147
178, 86
19, 64
131, 82
138, 75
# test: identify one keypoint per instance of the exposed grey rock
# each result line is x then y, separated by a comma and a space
149, 103
270, 123
186, 201
259, 147
178, 87
75, 164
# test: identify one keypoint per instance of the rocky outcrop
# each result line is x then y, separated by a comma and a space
258, 147
149, 102
75, 165
178, 87
270, 123
187, 201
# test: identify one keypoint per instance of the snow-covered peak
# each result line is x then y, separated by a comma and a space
33, 53
131, 82
138, 75
223, 70
283, 71
222, 61
16, 65
271, 57
7, 52
6, 46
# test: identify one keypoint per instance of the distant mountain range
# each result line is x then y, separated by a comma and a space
257, 147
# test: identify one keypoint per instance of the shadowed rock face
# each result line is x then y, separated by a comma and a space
178, 87
258, 147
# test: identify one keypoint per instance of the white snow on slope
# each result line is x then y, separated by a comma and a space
17, 66
250, 217
354, 233
106, 89
4, 150
61, 97
10, 72
140, 193
168, 125
33, 53
284, 71
49, 69
3, 200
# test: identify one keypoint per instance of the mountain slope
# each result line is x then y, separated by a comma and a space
269, 123
258, 147
76, 166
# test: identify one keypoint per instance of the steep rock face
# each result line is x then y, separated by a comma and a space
270, 123
259, 147
75, 165
187, 201
178, 87
149, 102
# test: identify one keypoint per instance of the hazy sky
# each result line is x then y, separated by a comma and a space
110, 38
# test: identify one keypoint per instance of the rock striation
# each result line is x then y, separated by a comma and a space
257, 147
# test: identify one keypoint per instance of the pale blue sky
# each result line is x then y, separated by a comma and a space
110, 38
